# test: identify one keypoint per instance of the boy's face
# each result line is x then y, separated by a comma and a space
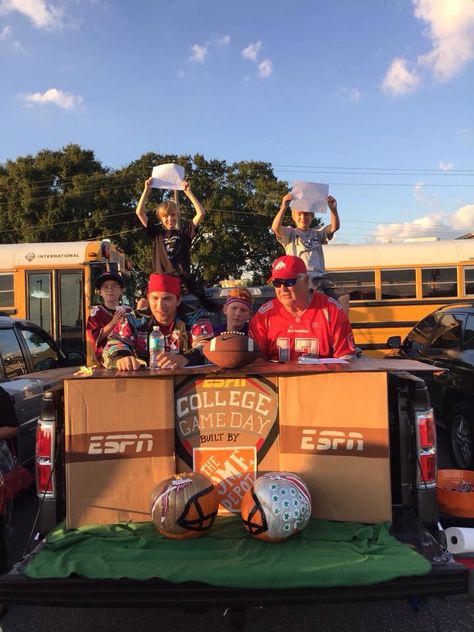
169, 219
164, 306
111, 291
302, 219
237, 314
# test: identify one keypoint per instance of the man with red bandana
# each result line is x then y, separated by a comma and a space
127, 346
298, 320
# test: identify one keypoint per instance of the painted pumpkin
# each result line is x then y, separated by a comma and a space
277, 506
184, 505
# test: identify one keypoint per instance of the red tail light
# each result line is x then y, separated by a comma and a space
44, 439
426, 448
44, 482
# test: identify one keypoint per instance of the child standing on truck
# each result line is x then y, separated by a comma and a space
172, 238
103, 318
307, 243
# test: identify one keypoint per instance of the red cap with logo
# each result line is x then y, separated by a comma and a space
288, 267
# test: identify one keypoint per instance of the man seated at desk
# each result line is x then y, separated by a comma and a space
128, 343
299, 320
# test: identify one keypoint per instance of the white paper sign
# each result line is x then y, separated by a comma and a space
168, 176
310, 197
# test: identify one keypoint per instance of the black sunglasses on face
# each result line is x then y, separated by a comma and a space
285, 282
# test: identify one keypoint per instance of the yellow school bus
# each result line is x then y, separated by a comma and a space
53, 285
392, 286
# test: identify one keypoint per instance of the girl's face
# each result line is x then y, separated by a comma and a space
169, 219
237, 314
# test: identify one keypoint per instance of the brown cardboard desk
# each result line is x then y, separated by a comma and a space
327, 422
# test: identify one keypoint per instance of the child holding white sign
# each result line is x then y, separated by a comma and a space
307, 243
172, 238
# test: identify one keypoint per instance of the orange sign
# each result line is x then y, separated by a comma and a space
233, 471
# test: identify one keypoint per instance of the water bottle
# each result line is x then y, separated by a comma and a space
156, 344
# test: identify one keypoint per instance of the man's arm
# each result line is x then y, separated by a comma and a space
140, 210
278, 220
198, 207
121, 344
335, 222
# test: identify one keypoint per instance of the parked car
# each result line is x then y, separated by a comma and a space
30, 363
445, 339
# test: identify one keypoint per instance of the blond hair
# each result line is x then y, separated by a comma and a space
165, 208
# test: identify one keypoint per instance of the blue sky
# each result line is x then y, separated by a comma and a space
374, 98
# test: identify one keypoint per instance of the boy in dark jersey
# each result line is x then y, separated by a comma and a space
172, 238
103, 318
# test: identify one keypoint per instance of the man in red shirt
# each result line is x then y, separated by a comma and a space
298, 320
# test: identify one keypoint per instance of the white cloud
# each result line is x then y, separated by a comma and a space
41, 13
265, 69
450, 31
399, 79
446, 166
223, 41
5, 33
252, 51
439, 224
198, 53
450, 27
64, 100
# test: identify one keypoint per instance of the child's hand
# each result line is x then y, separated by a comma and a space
148, 185
186, 187
332, 204
286, 199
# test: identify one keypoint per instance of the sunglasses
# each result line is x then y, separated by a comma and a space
285, 282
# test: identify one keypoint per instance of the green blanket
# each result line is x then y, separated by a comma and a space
324, 554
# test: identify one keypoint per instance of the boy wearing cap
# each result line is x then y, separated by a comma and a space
127, 347
307, 243
299, 321
104, 318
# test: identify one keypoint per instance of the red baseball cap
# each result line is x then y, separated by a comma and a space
288, 267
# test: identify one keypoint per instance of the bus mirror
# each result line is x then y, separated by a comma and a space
394, 342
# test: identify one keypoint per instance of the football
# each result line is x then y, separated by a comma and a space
231, 350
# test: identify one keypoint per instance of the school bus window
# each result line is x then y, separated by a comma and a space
359, 284
39, 300
448, 332
439, 282
398, 284
6, 290
469, 281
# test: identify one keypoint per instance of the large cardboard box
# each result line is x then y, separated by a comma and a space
119, 444
227, 428
334, 432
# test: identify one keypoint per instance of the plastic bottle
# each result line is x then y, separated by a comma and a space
156, 344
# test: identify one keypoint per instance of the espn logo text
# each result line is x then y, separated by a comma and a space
363, 442
121, 443
334, 440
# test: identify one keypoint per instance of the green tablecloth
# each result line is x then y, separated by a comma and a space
325, 554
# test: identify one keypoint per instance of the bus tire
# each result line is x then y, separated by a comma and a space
461, 433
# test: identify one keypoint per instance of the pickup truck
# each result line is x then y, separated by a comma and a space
30, 363
411, 492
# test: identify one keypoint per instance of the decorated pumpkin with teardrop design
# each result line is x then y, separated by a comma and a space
184, 505
277, 506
